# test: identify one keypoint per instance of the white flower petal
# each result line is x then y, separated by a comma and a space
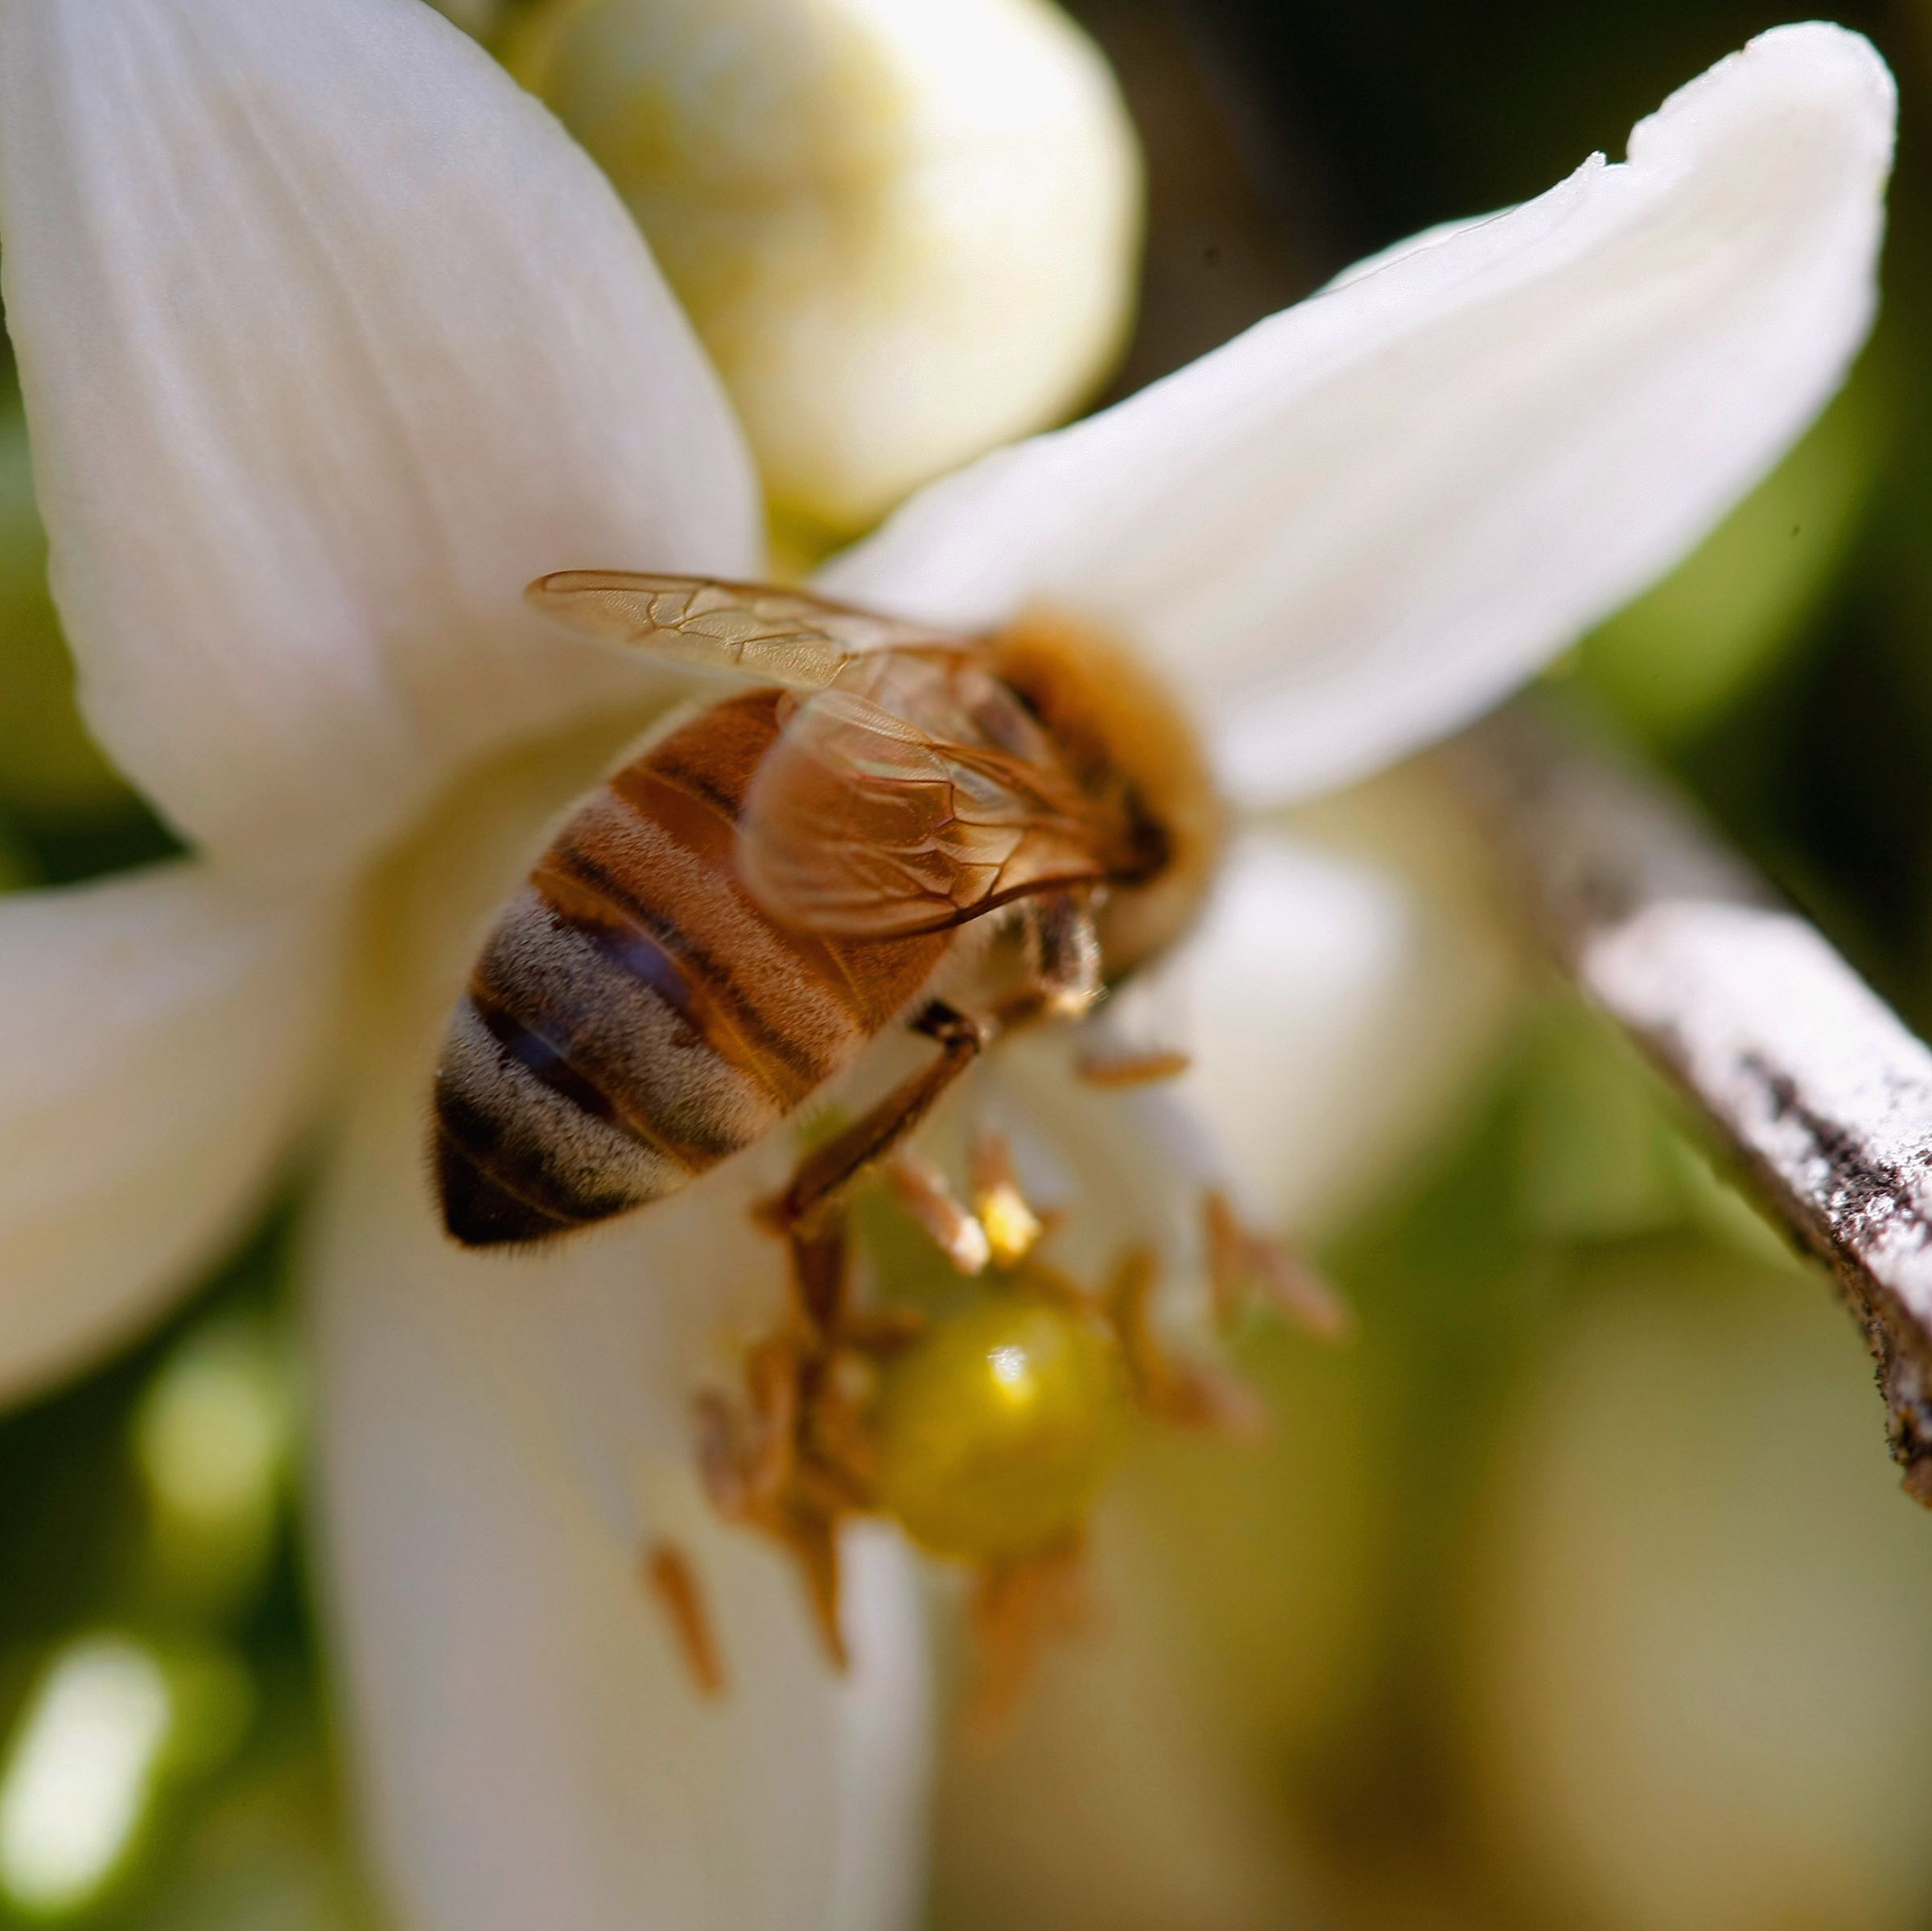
502, 1436
1120, 1800
502, 1440
1358, 524
1333, 1010
1341, 991
331, 340
907, 233
159, 1034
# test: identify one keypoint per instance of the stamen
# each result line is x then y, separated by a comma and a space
719, 1462
774, 1372
983, 1421
923, 1191
1188, 1394
1113, 1073
1017, 1609
1308, 1298
813, 1539
672, 1580
1013, 1228
1242, 1262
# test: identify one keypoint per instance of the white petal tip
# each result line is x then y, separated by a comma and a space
1826, 52
1813, 71
1361, 523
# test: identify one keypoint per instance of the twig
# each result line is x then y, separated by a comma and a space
1815, 1087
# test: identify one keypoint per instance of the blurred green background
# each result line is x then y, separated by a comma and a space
1579, 1590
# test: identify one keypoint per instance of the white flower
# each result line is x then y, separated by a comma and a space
330, 341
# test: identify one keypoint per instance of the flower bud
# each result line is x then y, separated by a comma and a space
906, 229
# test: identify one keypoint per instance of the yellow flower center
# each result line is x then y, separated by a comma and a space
995, 1431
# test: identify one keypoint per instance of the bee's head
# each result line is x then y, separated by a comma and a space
1122, 728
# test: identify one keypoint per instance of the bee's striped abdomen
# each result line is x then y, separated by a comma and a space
635, 1016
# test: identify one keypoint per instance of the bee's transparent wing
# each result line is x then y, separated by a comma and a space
913, 805
756, 631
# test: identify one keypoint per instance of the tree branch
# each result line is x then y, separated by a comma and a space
1815, 1087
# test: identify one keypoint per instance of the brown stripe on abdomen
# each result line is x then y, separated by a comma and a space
668, 922
635, 1016
517, 1157
693, 786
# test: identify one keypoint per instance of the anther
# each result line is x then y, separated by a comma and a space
1112, 1071
1012, 1228
1241, 1263
671, 1580
923, 1191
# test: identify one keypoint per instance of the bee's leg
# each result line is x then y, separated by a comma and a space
812, 1537
1063, 957
827, 1170
821, 1268
1064, 952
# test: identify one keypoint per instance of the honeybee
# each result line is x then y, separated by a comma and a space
725, 924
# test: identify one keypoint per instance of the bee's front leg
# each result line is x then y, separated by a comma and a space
1063, 959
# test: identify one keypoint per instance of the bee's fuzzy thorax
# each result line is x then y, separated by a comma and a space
1117, 722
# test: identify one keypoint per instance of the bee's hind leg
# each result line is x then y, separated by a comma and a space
827, 1171
821, 1272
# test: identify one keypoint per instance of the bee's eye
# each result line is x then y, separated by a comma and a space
995, 1431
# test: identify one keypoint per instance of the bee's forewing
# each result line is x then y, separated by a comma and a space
902, 808
754, 631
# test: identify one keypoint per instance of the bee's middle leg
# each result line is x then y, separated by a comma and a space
1063, 953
